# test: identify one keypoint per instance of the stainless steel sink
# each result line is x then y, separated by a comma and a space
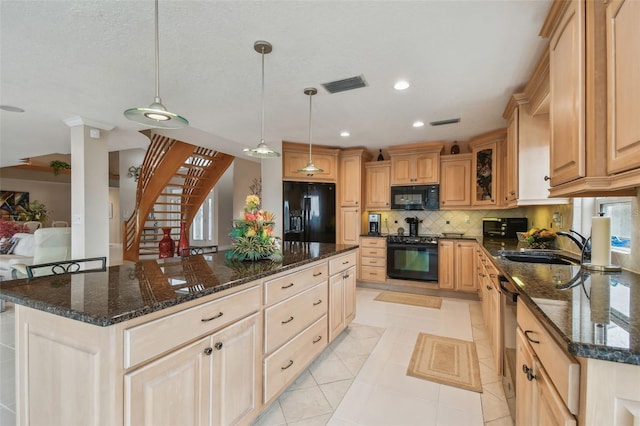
539, 256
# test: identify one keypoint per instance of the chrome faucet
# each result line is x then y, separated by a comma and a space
584, 244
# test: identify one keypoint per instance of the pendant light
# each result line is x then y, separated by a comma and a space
262, 150
310, 168
156, 115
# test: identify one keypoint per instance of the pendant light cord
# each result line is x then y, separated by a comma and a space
310, 97
262, 95
157, 58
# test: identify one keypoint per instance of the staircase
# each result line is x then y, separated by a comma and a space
174, 180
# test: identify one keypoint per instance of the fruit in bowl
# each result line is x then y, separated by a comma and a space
538, 238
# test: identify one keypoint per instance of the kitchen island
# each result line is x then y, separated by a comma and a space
592, 322
194, 340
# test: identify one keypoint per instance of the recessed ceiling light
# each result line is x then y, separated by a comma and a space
401, 85
11, 108
418, 123
345, 134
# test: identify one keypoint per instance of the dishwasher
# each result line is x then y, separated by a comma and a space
508, 301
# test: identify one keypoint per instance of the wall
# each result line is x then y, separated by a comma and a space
115, 222
55, 196
128, 185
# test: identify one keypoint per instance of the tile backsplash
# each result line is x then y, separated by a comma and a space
469, 222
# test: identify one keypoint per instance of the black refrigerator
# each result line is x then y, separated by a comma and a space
309, 212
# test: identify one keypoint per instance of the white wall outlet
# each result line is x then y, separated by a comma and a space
76, 219
466, 219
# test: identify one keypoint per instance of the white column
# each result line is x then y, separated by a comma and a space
89, 188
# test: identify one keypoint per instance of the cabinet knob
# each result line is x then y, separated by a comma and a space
528, 372
546, 178
489, 288
208, 351
218, 346
513, 193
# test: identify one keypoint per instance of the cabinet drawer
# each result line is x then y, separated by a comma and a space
373, 242
147, 340
284, 365
289, 317
373, 273
342, 263
373, 252
379, 262
563, 369
290, 284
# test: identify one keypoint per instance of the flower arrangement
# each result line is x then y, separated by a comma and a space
252, 236
35, 211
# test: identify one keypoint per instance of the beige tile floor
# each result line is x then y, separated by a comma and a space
360, 379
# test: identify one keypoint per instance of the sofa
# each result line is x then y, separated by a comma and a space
44, 245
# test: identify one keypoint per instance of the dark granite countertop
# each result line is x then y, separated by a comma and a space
596, 314
135, 289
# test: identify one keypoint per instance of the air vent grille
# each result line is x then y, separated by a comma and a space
443, 122
345, 84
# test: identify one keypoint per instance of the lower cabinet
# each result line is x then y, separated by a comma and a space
211, 381
456, 265
342, 294
537, 401
373, 259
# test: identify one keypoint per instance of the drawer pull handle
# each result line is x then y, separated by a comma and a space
373, 273
493, 275
284, 287
526, 333
212, 318
287, 321
528, 372
208, 351
346, 276
346, 262
317, 274
288, 365
316, 340
317, 303
373, 262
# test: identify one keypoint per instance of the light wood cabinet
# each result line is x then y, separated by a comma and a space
592, 75
456, 265
216, 376
373, 259
567, 95
623, 90
455, 181
296, 156
489, 287
537, 401
417, 164
378, 183
486, 168
350, 226
342, 288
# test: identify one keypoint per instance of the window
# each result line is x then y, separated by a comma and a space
619, 210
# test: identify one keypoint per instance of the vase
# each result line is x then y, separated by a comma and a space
166, 246
183, 244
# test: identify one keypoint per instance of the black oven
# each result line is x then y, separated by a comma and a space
412, 258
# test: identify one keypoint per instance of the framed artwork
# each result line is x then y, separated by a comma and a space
12, 203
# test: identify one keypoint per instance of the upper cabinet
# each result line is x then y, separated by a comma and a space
351, 172
623, 85
296, 156
417, 164
378, 194
567, 89
455, 181
593, 68
485, 168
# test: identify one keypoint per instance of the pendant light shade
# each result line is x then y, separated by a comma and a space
262, 150
156, 115
310, 168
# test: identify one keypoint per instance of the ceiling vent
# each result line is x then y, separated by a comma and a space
443, 122
344, 85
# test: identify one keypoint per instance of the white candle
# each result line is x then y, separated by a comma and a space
600, 241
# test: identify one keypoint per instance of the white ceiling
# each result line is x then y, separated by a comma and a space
95, 59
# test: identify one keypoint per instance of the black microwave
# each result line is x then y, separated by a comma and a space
416, 197
503, 227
